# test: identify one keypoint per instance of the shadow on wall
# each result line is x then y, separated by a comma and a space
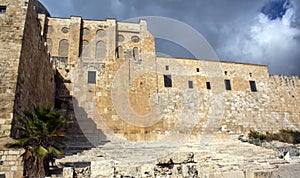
81, 127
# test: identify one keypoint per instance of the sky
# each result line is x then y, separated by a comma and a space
252, 31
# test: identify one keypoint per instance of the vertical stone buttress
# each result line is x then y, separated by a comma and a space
11, 26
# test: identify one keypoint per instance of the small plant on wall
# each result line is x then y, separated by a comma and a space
287, 136
41, 136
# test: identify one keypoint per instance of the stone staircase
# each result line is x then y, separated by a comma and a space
217, 156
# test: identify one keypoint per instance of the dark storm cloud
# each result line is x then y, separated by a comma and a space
236, 29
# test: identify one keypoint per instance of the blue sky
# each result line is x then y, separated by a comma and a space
253, 31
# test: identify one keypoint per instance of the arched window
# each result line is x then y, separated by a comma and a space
136, 54
85, 49
63, 48
49, 44
100, 49
120, 52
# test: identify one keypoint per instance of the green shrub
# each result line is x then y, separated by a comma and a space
256, 135
287, 136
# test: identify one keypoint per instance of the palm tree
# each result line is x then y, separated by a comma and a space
41, 135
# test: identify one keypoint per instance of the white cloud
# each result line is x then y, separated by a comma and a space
271, 42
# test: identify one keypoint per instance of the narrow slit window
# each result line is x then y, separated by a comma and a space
208, 85
191, 84
227, 84
119, 52
167, 67
197, 70
2, 9
168, 80
136, 54
91, 77
253, 86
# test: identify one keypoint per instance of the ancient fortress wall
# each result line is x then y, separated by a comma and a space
109, 72
128, 93
27, 75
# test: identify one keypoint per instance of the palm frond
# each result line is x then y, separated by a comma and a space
41, 151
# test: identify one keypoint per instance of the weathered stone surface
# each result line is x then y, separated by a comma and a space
27, 75
129, 104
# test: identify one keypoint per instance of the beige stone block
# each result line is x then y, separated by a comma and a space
14, 152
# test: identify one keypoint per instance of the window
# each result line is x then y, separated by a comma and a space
100, 49
120, 38
227, 84
191, 84
49, 44
225, 72
197, 69
86, 31
168, 80
135, 39
91, 76
120, 52
63, 48
253, 86
136, 54
2, 9
101, 33
65, 30
85, 49
208, 85
167, 67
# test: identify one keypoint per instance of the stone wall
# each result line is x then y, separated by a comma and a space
26, 72
12, 25
35, 81
27, 75
10, 162
129, 97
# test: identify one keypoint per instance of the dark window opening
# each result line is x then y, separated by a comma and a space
225, 72
250, 74
208, 85
168, 80
167, 67
2, 9
197, 69
227, 84
136, 55
91, 76
191, 84
120, 52
253, 86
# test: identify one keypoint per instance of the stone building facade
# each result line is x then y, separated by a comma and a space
106, 74
111, 69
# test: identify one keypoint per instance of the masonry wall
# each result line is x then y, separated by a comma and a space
129, 97
12, 25
35, 83
27, 75
197, 110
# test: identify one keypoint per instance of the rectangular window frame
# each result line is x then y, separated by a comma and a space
168, 81
253, 87
3, 9
167, 67
190, 84
208, 86
92, 77
227, 84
